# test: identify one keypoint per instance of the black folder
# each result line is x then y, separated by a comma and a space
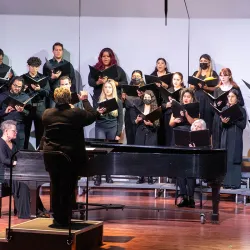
110, 105
130, 90
152, 86
165, 78
29, 80
74, 98
193, 109
233, 112
222, 98
110, 72
165, 93
10, 101
3, 85
152, 116
4, 76
209, 81
64, 67
200, 138
247, 84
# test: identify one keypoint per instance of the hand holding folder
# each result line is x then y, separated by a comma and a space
110, 72
109, 105
165, 94
130, 90
152, 116
4, 77
31, 81
193, 109
233, 112
63, 67
209, 81
158, 79
12, 102
200, 138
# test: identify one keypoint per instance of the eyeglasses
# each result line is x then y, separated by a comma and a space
13, 130
16, 86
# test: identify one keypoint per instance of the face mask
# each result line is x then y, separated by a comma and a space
135, 81
146, 101
204, 65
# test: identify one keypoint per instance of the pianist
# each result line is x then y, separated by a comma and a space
7, 149
64, 132
187, 185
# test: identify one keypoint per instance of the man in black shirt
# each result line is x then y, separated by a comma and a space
18, 113
36, 84
56, 61
4, 69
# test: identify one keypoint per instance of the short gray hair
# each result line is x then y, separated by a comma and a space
6, 124
202, 122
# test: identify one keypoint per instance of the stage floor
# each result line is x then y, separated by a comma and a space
170, 230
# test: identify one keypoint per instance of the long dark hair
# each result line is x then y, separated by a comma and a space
181, 76
137, 71
187, 90
153, 104
236, 93
155, 70
99, 65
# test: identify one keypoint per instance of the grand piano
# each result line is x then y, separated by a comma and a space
119, 159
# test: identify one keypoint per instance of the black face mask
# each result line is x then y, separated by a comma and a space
146, 101
203, 66
135, 81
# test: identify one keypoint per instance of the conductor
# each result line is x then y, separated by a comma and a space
63, 127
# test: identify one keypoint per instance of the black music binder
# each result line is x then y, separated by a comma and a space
165, 94
110, 105
158, 79
29, 80
152, 116
130, 90
209, 81
110, 72
64, 67
233, 112
200, 138
193, 109
10, 101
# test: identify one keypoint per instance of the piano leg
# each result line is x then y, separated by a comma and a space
215, 201
33, 204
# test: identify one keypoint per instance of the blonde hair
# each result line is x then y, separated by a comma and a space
209, 71
62, 95
103, 96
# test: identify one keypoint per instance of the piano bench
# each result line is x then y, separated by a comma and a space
5, 192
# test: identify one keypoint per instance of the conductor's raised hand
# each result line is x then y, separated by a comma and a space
83, 95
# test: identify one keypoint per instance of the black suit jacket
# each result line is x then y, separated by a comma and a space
63, 127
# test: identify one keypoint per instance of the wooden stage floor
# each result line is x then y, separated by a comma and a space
170, 230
